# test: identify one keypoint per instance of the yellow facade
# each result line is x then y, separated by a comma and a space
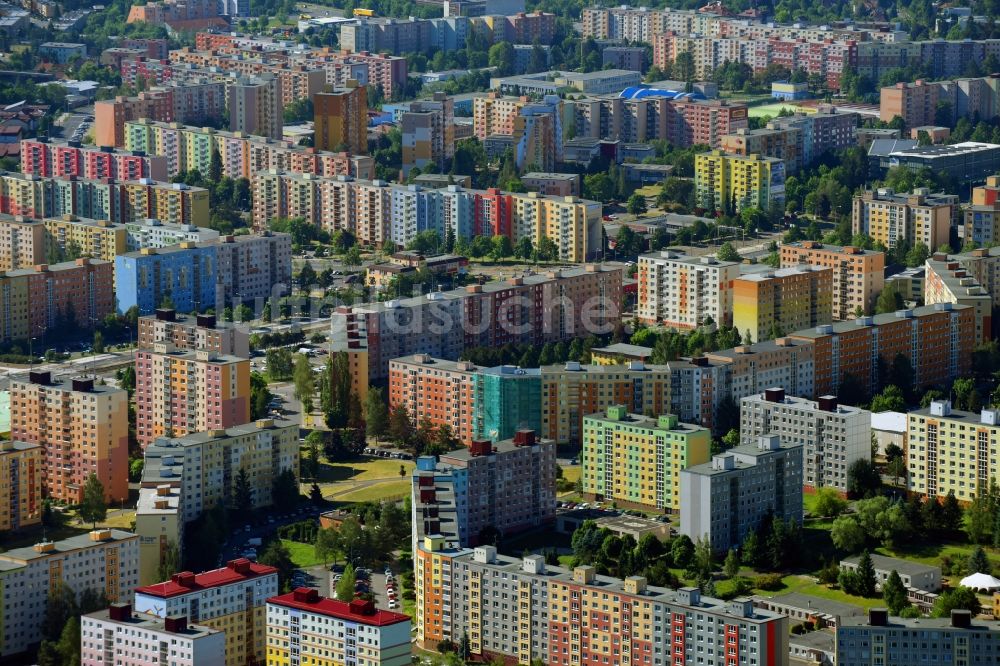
734, 182
636, 460
164, 202
93, 238
770, 305
572, 224
952, 451
20, 485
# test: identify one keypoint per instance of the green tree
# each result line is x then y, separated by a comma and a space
60, 608
346, 584
501, 56
682, 550
863, 478
170, 561
327, 544
376, 413
731, 567
276, 555
260, 396
636, 204
98, 345
917, 255
242, 499
69, 643
867, 579
501, 247
93, 507
728, 253
889, 400
847, 534
304, 379
890, 300
978, 562
829, 503
894, 593
279, 363
284, 490
959, 598
215, 166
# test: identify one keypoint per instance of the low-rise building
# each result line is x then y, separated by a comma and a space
318, 630
833, 436
724, 500
230, 600
117, 635
620, 353
919, 576
801, 608
632, 460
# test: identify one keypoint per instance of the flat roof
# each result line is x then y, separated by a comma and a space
152, 623
625, 349
889, 421
503, 446
78, 542
884, 563
819, 604
815, 640
640, 421
964, 148
338, 609
839, 327
427, 361
779, 273
853, 250
217, 577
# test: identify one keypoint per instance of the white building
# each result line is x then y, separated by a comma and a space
155, 233
117, 636
104, 560
682, 291
832, 436
303, 626
724, 500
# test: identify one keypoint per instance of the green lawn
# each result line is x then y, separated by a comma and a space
572, 474
303, 554
393, 490
363, 469
808, 585
771, 110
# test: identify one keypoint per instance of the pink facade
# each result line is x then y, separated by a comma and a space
65, 160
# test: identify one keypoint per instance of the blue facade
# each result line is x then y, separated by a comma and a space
187, 275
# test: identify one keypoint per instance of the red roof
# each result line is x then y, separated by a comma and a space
362, 612
185, 581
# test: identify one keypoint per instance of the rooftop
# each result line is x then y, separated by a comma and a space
883, 563
889, 421
625, 349
818, 604
815, 640
78, 542
780, 273
677, 257
839, 249
356, 611
742, 457
152, 623
842, 327
187, 582
944, 150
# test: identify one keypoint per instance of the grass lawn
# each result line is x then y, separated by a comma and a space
572, 474
303, 554
809, 585
379, 491
363, 469
770, 110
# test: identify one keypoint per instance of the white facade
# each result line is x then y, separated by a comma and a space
832, 436
104, 560
682, 291
141, 641
156, 234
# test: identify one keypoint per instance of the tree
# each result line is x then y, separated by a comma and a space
731, 567
500, 247
93, 507
98, 345
303, 376
978, 562
894, 593
866, 575
284, 490
69, 643
346, 584
276, 555
959, 598
829, 503
60, 608
215, 166
917, 255
242, 493
280, 364
260, 396
636, 204
400, 425
170, 561
728, 253
682, 550
376, 413
862, 478
890, 300
327, 544
847, 534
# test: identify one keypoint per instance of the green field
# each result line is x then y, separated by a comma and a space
303, 554
771, 109
363, 479
390, 490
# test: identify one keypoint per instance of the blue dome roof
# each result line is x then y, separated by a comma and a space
639, 92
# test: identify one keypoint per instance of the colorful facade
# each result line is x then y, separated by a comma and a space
22, 242
20, 485
632, 460
767, 305
182, 392
302, 625
191, 102
82, 429
62, 159
435, 391
857, 273
340, 119
71, 235
119, 636
192, 332
230, 600
575, 617
255, 106
185, 274
683, 292
920, 217
428, 133
734, 182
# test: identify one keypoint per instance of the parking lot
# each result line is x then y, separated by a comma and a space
375, 582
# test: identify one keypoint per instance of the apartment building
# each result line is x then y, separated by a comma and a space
184, 476
982, 265
624, 57
936, 339
833, 436
551, 307
321, 631
181, 392
255, 106
682, 291
341, 119
634, 460
22, 242
173, 204
724, 500
509, 485
105, 561
119, 636
184, 275
492, 599
20, 485
154, 233
82, 428
295, 81
640, 115
946, 280
230, 600
532, 130
552, 184
71, 235
435, 391
192, 332
24, 194
857, 273
768, 305
192, 102
828, 130
949, 450
187, 148
62, 159
904, 640
981, 217
505, 399
920, 217
784, 361
785, 144
252, 267
428, 133
735, 182
933, 103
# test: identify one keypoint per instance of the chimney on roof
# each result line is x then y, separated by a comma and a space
524, 438
362, 607
240, 565
774, 394
205, 321
828, 403
480, 447
305, 595
175, 624
184, 579
878, 617
120, 612
961, 618
40, 377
